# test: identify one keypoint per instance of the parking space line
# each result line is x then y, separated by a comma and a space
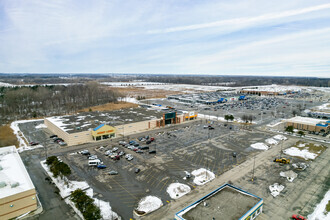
160, 182
125, 189
164, 184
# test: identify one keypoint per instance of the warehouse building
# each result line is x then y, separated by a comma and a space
17, 192
226, 202
88, 127
308, 124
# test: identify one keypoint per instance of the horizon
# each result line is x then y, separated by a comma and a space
213, 38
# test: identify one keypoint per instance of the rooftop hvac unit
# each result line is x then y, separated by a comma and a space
2, 184
14, 185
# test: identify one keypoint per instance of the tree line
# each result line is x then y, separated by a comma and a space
39, 101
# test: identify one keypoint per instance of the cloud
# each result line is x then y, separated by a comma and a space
243, 20
155, 36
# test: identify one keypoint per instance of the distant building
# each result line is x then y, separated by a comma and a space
308, 124
17, 192
226, 202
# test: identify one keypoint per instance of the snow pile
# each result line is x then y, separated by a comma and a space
290, 175
149, 204
301, 145
202, 176
300, 166
271, 141
41, 126
280, 137
275, 189
319, 211
304, 153
176, 190
67, 186
260, 146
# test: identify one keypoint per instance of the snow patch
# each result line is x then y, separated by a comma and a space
41, 126
260, 146
176, 190
319, 211
275, 189
202, 176
149, 204
280, 137
271, 141
290, 175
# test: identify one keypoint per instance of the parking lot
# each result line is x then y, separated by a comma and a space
179, 148
263, 109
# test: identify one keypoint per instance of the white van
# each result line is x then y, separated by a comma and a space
94, 162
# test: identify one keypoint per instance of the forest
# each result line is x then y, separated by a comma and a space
39, 101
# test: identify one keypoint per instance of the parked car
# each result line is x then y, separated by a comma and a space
139, 151
137, 170
136, 144
33, 143
53, 136
152, 152
101, 166
123, 143
84, 152
234, 154
211, 128
148, 142
92, 157
152, 139
121, 153
113, 172
144, 148
62, 143
298, 217
114, 149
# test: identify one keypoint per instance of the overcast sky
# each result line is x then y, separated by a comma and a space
226, 37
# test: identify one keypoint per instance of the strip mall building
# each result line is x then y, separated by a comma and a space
88, 133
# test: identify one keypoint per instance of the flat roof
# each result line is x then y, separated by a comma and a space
306, 120
85, 121
226, 202
13, 171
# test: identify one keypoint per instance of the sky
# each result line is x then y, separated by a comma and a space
236, 37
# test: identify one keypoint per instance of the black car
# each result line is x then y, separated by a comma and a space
33, 143
148, 142
137, 170
152, 152
53, 136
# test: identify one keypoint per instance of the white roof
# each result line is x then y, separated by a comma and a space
306, 120
13, 171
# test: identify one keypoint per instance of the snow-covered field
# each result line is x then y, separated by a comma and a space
320, 211
66, 186
303, 153
260, 146
149, 204
176, 190
2, 84
202, 176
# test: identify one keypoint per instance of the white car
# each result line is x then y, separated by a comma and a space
128, 155
92, 157
114, 149
130, 158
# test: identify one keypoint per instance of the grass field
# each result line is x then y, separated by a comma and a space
7, 137
110, 106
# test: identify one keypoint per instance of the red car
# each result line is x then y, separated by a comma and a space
298, 217
152, 139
